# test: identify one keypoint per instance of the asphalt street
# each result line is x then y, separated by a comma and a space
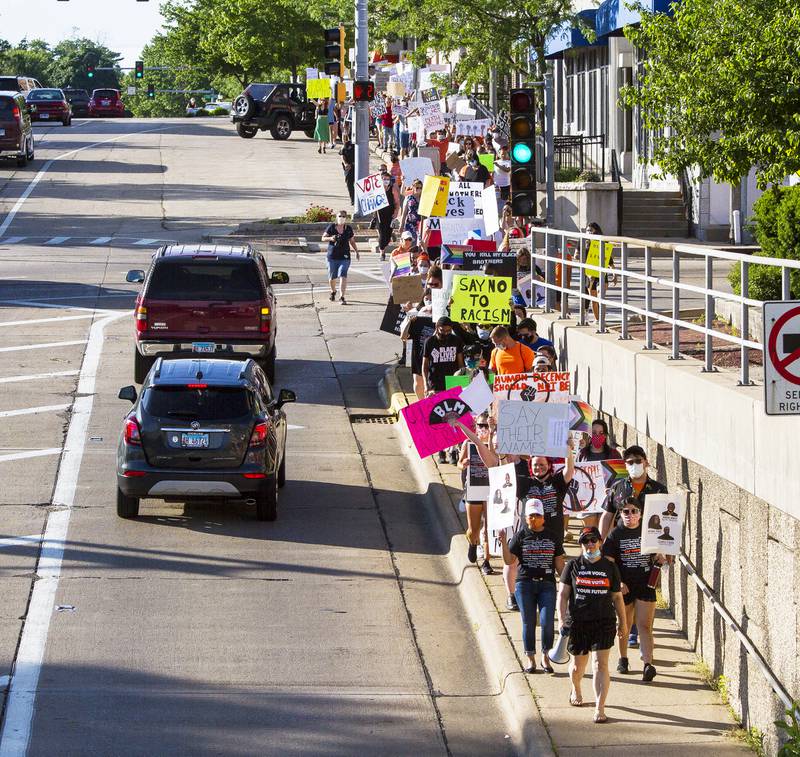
198, 630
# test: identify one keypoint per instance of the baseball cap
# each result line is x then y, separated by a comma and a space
406, 235
589, 532
540, 360
534, 507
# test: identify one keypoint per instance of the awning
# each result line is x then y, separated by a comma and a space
613, 15
567, 37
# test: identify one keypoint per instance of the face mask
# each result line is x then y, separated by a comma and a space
341, 219
592, 554
427, 301
524, 338
635, 470
483, 334
598, 440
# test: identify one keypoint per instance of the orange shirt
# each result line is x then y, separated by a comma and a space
441, 145
519, 359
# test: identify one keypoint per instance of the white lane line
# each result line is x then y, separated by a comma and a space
143, 242
18, 541
33, 410
42, 346
12, 240
30, 653
101, 240
57, 240
290, 427
29, 454
36, 376
48, 320
38, 302
46, 167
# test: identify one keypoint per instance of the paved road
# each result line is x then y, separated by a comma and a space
198, 630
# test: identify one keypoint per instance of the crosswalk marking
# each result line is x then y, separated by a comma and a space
57, 240
142, 242
42, 346
12, 240
101, 240
90, 241
30, 453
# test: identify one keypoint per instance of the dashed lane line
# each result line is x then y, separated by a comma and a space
33, 410
27, 454
36, 376
48, 320
45, 346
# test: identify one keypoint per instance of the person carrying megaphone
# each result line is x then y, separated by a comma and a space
540, 555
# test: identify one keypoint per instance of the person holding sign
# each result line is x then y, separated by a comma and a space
410, 217
639, 579
602, 259
322, 133
540, 557
341, 239
551, 488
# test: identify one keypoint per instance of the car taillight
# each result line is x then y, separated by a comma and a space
141, 318
197, 386
266, 320
132, 435
16, 112
259, 436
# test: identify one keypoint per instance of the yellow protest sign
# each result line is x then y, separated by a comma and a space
317, 89
593, 258
433, 200
481, 299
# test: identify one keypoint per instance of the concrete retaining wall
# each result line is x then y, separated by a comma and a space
708, 436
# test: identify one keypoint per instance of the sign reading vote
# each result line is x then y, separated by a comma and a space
481, 299
370, 194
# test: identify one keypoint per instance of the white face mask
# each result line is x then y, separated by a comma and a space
341, 219
592, 554
483, 334
635, 470
427, 301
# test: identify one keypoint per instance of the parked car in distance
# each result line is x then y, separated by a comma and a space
79, 100
106, 102
49, 105
281, 108
18, 83
16, 132
205, 300
203, 429
209, 107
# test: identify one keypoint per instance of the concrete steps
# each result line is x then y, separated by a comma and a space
653, 213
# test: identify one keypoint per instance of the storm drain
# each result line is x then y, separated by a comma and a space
372, 418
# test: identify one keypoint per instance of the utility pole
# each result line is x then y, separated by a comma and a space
549, 157
362, 108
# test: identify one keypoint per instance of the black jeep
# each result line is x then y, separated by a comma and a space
280, 108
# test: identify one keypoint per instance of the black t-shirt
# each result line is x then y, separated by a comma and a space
552, 492
625, 546
592, 586
421, 328
340, 249
621, 490
442, 357
536, 552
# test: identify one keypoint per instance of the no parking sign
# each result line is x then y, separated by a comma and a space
782, 358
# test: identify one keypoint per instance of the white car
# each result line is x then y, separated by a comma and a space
208, 107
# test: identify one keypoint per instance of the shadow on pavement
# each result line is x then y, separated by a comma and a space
45, 294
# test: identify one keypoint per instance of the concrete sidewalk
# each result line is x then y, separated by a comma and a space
674, 713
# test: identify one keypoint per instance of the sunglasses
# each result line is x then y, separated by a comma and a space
590, 540
634, 461
630, 512
482, 425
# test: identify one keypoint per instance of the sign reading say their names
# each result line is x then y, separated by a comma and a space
370, 194
532, 428
781, 357
481, 299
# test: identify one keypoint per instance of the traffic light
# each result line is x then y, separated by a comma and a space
151, 91
334, 52
363, 91
522, 130
140, 69
90, 70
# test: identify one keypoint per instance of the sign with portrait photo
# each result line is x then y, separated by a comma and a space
662, 523
502, 501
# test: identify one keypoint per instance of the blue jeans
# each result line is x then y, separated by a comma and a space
529, 594
388, 135
337, 269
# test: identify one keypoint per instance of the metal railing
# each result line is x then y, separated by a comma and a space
616, 176
569, 251
580, 152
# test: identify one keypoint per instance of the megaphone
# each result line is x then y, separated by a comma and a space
559, 653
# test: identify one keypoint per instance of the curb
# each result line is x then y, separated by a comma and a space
524, 722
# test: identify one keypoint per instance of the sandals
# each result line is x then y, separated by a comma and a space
531, 668
575, 700
598, 718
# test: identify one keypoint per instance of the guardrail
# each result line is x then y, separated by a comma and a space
555, 250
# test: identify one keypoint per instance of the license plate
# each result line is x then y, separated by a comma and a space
44, 115
204, 347
105, 102
2, 132
194, 441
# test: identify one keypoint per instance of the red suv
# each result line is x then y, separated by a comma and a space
49, 105
205, 300
16, 134
106, 102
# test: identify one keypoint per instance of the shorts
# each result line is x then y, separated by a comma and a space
405, 140
591, 636
337, 269
642, 592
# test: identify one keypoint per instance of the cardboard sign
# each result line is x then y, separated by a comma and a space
407, 288
477, 477
502, 502
370, 194
455, 162
481, 299
552, 386
318, 89
432, 153
416, 168
427, 424
532, 428
396, 89
433, 201
393, 318
662, 523
593, 257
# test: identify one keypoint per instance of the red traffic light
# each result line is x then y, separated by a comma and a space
363, 91
522, 100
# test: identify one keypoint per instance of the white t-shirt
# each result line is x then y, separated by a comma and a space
502, 178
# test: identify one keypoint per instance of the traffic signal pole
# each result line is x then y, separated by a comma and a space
362, 108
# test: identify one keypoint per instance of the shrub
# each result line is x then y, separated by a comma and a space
567, 174
202, 112
589, 176
219, 112
316, 214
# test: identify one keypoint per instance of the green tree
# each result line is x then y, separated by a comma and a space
720, 87
68, 65
28, 58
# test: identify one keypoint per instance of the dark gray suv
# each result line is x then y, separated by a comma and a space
203, 429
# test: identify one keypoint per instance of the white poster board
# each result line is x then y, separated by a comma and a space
532, 428
370, 194
491, 218
416, 168
662, 523
502, 501
459, 230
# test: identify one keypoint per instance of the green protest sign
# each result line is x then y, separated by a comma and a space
451, 381
481, 299
486, 159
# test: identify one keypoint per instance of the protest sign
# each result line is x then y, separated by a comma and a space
491, 219
593, 257
311, 73
481, 299
407, 288
503, 263
662, 523
401, 261
477, 477
415, 127
392, 318
430, 95
433, 200
472, 189
502, 502
550, 386
416, 168
395, 89
459, 230
477, 395
370, 194
460, 206
432, 117
439, 300
532, 428
427, 421
318, 89
589, 487
474, 128
486, 159
455, 162
451, 381
377, 108
452, 254
581, 415
400, 110
432, 153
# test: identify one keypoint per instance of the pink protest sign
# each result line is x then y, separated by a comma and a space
427, 421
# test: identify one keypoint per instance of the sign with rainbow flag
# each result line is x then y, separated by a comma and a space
453, 254
401, 263
589, 486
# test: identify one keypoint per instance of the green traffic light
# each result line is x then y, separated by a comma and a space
521, 153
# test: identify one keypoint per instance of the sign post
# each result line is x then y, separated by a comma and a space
782, 357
